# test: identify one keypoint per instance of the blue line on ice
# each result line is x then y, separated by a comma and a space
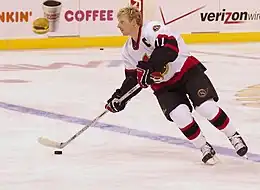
120, 129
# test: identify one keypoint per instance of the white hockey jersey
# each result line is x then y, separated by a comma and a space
142, 49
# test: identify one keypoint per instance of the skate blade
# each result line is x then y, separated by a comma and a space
212, 161
245, 157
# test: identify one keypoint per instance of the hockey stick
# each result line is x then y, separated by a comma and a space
50, 143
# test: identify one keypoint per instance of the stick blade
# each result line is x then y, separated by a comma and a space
49, 143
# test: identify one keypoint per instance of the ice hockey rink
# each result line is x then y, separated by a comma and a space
54, 93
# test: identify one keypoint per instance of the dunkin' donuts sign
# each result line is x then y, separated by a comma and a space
15, 16
89, 15
49, 22
63, 17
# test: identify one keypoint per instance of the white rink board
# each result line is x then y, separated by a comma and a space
98, 18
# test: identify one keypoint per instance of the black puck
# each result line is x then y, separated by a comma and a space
57, 152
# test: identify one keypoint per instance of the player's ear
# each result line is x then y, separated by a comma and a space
134, 23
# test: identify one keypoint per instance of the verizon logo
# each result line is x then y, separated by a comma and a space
229, 17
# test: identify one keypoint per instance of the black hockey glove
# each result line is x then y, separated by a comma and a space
146, 74
113, 104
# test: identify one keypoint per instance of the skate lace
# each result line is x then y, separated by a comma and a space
236, 141
205, 149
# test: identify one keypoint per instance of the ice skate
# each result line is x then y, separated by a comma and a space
239, 144
209, 154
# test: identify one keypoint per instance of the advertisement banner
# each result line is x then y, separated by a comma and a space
37, 18
86, 18
239, 17
188, 19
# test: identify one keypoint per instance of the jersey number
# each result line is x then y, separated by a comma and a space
159, 42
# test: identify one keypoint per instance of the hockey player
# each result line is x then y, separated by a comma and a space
159, 58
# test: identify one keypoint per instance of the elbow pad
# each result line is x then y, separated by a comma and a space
161, 56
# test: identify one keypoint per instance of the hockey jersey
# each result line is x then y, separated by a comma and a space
148, 39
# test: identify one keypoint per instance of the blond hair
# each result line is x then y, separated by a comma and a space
132, 13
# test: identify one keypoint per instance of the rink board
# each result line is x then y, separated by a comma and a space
117, 41
88, 23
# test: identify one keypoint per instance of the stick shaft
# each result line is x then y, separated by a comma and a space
83, 129
93, 122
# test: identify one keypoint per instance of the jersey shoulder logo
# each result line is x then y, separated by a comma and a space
156, 27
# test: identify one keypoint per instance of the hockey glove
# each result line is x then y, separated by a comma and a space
113, 105
146, 74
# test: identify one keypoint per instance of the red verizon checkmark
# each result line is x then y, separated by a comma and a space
180, 17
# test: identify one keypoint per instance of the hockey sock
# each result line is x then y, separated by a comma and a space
188, 126
217, 117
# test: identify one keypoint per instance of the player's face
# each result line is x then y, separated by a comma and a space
125, 26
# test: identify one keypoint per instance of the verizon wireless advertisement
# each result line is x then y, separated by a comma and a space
211, 16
